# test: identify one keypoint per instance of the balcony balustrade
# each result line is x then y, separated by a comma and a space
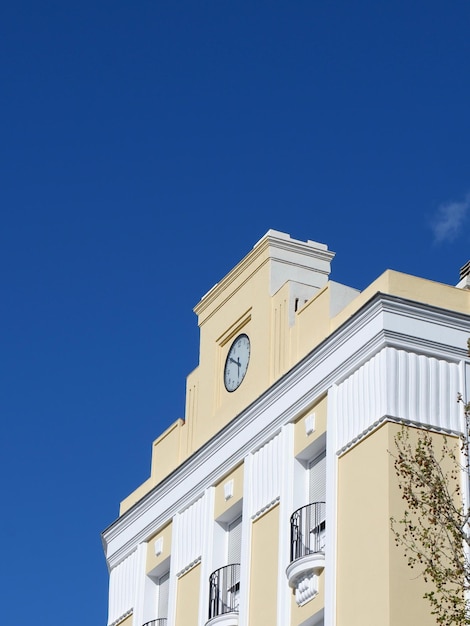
224, 592
307, 530
307, 546
161, 621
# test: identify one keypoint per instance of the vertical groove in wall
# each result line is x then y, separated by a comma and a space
275, 335
122, 588
282, 338
265, 479
399, 384
280, 341
191, 415
190, 526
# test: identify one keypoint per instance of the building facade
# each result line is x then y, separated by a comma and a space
270, 503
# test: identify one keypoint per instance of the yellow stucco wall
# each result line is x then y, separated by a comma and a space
152, 559
166, 451
407, 606
364, 533
312, 323
264, 569
222, 505
301, 439
374, 583
187, 598
412, 288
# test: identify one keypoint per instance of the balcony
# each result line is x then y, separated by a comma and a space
224, 592
162, 621
307, 548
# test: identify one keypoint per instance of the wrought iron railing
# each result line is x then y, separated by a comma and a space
161, 621
224, 590
307, 530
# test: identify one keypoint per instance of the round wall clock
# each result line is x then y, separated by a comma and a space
236, 363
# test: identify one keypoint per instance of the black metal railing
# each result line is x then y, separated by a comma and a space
307, 530
224, 590
162, 621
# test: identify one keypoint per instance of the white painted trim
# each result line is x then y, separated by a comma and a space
140, 584
158, 546
265, 509
207, 551
228, 490
122, 618
331, 509
188, 567
122, 588
306, 589
228, 619
247, 525
173, 582
308, 564
310, 424
285, 511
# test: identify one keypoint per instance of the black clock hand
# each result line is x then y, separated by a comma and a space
236, 362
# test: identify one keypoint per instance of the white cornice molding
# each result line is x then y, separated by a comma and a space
265, 509
354, 342
121, 618
395, 420
424, 312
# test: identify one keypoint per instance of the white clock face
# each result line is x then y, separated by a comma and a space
237, 361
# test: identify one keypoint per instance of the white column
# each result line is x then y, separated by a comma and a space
331, 507
141, 557
206, 557
286, 507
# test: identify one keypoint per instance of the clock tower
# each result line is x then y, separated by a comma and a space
247, 330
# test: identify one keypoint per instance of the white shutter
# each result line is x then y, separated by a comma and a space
234, 543
317, 479
163, 592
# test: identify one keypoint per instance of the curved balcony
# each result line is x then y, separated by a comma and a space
162, 621
224, 592
307, 547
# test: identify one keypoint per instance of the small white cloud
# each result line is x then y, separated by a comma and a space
449, 219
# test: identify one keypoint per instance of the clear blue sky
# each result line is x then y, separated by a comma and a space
144, 148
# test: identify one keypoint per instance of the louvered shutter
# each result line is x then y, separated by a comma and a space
317, 479
163, 592
234, 547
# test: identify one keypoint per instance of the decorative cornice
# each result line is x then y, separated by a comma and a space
354, 342
265, 509
188, 567
121, 618
271, 241
395, 420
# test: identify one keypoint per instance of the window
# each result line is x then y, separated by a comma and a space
163, 592
234, 549
317, 493
234, 541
